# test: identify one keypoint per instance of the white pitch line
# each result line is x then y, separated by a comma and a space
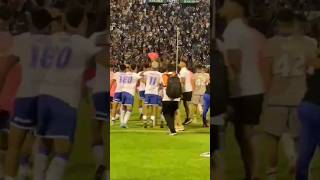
153, 131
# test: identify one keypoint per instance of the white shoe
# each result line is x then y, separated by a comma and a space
206, 154
172, 134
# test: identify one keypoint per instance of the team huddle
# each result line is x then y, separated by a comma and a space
159, 94
52, 58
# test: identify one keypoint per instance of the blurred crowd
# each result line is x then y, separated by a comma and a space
138, 28
20, 10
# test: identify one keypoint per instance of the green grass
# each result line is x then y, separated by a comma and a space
233, 164
142, 155
137, 154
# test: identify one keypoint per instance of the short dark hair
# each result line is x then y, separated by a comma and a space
171, 68
5, 13
133, 66
123, 67
286, 15
245, 6
75, 15
41, 18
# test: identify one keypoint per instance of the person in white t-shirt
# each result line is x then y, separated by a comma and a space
129, 80
116, 79
60, 94
186, 79
152, 80
243, 47
141, 89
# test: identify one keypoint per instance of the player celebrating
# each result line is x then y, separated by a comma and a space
199, 80
25, 116
288, 57
153, 82
60, 95
129, 80
117, 80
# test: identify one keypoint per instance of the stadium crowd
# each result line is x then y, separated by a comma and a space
69, 34
138, 28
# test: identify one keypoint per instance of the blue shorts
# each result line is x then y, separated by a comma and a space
57, 119
101, 104
141, 95
117, 97
25, 113
151, 99
127, 99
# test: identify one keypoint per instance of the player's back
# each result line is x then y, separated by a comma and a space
153, 80
130, 80
289, 65
200, 80
32, 51
118, 76
67, 62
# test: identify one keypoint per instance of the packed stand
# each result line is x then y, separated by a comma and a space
138, 28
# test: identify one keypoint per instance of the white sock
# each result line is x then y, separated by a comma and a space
117, 116
2, 158
40, 166
56, 169
113, 118
122, 116
144, 117
127, 117
162, 117
289, 148
153, 119
98, 153
9, 178
140, 110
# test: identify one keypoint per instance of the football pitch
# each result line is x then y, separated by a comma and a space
151, 154
234, 168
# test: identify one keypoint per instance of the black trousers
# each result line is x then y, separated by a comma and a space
169, 109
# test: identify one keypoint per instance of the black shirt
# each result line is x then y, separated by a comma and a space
313, 88
219, 77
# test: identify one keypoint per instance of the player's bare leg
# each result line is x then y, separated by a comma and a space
41, 158
128, 111
25, 157
244, 136
272, 156
15, 142
179, 126
290, 146
59, 162
114, 112
146, 114
98, 148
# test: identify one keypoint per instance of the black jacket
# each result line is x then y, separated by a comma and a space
220, 88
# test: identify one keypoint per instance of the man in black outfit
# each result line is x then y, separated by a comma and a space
219, 102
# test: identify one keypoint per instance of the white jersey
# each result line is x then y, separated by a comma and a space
100, 80
142, 85
34, 63
118, 76
153, 81
67, 61
129, 81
